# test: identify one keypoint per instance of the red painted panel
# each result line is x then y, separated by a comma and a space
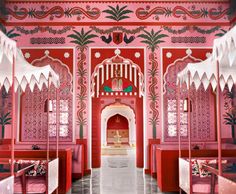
96, 133
117, 122
85, 157
178, 53
54, 53
125, 83
106, 53
151, 156
139, 132
167, 165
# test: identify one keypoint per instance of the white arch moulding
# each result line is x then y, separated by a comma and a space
106, 69
123, 110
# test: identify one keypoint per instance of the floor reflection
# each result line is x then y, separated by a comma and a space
118, 175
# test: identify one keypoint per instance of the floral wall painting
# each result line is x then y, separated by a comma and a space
9, 33
117, 13
81, 39
230, 114
121, 24
5, 111
152, 40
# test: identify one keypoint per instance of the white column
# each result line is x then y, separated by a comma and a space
121, 70
103, 131
116, 68
132, 131
126, 71
107, 71
140, 84
130, 72
135, 77
112, 73
98, 84
102, 74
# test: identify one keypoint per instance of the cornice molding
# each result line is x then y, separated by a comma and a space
119, 1
117, 24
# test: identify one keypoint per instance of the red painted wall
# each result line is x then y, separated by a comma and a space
139, 132
117, 122
96, 133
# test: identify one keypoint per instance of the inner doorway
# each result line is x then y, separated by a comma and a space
116, 81
118, 129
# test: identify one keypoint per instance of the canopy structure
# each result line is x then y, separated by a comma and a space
205, 72
224, 53
218, 70
225, 47
15, 71
25, 73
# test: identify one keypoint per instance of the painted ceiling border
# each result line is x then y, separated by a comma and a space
118, 24
120, 1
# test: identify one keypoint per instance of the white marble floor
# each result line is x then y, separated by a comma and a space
118, 175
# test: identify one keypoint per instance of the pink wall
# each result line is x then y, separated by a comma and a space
187, 25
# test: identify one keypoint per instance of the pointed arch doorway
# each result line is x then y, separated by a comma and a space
117, 78
118, 117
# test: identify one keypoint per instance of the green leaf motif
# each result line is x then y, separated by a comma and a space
222, 33
107, 89
10, 33
117, 13
5, 119
128, 89
230, 118
82, 39
152, 39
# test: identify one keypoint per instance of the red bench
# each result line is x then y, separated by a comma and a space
65, 163
167, 165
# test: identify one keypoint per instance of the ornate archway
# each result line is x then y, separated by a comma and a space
123, 110
116, 78
34, 118
202, 106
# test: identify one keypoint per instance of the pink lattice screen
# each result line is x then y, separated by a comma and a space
34, 117
202, 111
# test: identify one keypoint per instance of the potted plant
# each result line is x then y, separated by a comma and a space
5, 119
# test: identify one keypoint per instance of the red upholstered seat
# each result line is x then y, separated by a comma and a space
33, 185
202, 185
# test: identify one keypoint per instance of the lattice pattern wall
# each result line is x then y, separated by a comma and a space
34, 119
202, 115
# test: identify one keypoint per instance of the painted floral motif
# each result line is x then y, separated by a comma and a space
82, 39
180, 11
10, 33
117, 13
143, 13
191, 29
54, 12
39, 29
93, 13
152, 40
117, 28
221, 33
